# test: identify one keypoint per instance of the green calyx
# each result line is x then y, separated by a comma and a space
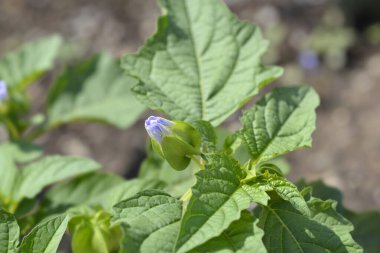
179, 146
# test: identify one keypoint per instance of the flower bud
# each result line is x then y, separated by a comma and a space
3, 91
175, 141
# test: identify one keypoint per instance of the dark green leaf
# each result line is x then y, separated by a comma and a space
9, 233
150, 222
46, 236
280, 122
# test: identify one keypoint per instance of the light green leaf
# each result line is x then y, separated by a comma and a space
97, 189
9, 233
10, 153
285, 189
20, 68
242, 236
95, 90
46, 236
287, 230
217, 200
37, 175
150, 222
280, 122
202, 64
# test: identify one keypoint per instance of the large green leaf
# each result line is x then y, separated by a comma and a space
9, 233
280, 122
217, 200
203, 63
37, 175
287, 230
46, 236
150, 222
21, 67
242, 236
94, 90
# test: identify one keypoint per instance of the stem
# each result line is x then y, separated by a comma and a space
12, 129
198, 162
186, 196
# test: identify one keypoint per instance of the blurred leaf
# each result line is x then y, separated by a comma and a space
96, 189
10, 153
242, 236
280, 122
37, 175
202, 64
367, 229
20, 68
9, 233
150, 221
46, 236
95, 90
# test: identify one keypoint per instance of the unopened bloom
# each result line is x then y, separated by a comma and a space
308, 59
157, 127
3, 90
176, 141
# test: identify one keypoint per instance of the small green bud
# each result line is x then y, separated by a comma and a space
175, 141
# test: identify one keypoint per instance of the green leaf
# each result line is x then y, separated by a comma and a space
285, 189
208, 135
366, 224
242, 236
150, 221
21, 152
287, 230
202, 64
37, 175
46, 236
24, 66
95, 90
280, 122
91, 231
96, 189
217, 200
9, 233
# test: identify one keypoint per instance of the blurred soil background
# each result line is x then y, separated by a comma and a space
332, 45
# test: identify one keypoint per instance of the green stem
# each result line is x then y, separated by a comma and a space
198, 162
12, 129
186, 196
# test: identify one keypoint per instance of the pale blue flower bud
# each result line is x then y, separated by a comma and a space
157, 127
3, 90
308, 59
